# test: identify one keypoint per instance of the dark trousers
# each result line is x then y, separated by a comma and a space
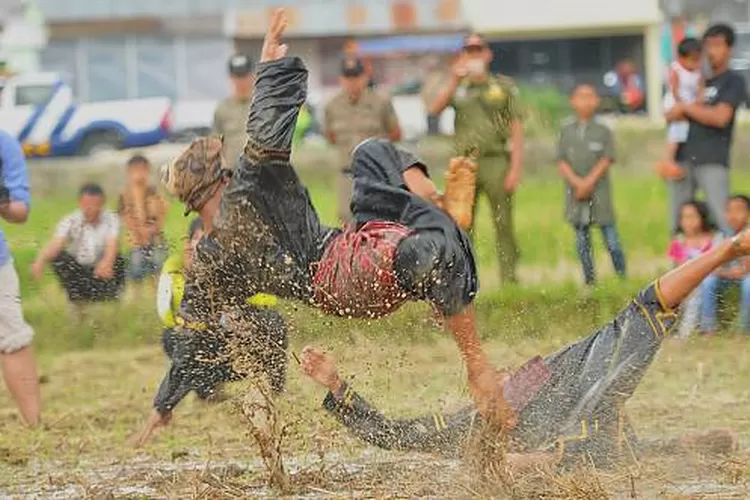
585, 253
433, 124
81, 285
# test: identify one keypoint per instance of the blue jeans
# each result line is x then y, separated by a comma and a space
146, 261
711, 288
611, 240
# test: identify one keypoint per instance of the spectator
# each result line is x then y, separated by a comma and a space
351, 51
142, 211
685, 85
629, 87
353, 115
83, 251
705, 156
230, 117
585, 153
16, 354
695, 237
736, 273
488, 128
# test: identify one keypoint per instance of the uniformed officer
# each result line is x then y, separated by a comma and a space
230, 117
488, 127
353, 115
585, 153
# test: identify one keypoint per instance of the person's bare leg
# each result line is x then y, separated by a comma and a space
19, 371
677, 284
485, 383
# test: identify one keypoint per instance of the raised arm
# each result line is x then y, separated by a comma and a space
280, 92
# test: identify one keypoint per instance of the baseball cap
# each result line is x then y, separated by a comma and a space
240, 65
474, 41
352, 67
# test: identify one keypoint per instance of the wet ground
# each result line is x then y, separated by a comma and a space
375, 474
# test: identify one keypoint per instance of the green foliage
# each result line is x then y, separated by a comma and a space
544, 108
548, 302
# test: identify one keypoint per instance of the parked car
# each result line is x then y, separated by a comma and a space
40, 110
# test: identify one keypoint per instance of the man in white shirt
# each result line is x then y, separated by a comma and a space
84, 253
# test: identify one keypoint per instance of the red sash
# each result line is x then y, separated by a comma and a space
355, 277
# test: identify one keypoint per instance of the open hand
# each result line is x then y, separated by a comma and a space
37, 270
273, 49
487, 390
458, 68
155, 421
104, 270
321, 367
512, 179
584, 189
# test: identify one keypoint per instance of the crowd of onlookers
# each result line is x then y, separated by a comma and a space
700, 107
84, 251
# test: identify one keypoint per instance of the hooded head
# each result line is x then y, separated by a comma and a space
196, 175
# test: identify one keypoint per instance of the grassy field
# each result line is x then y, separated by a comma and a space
100, 376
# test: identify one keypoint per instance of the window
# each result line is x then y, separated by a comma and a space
156, 67
33, 95
544, 61
507, 58
586, 55
106, 69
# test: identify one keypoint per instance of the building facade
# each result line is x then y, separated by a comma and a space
114, 49
554, 43
119, 49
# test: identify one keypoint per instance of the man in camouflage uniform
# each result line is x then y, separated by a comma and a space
488, 127
578, 411
356, 113
230, 116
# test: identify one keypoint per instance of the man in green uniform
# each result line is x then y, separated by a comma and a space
488, 128
231, 113
353, 115
586, 151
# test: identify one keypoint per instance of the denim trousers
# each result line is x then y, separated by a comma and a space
585, 252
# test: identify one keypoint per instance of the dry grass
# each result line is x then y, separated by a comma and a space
95, 400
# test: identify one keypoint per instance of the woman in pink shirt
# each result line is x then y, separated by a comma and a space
696, 235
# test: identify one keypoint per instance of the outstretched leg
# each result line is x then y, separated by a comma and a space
594, 377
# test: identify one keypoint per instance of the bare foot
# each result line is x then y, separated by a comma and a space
670, 170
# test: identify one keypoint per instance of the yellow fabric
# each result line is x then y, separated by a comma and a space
172, 289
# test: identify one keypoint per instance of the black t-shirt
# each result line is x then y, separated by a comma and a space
710, 145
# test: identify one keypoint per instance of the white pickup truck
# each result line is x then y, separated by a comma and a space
39, 109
